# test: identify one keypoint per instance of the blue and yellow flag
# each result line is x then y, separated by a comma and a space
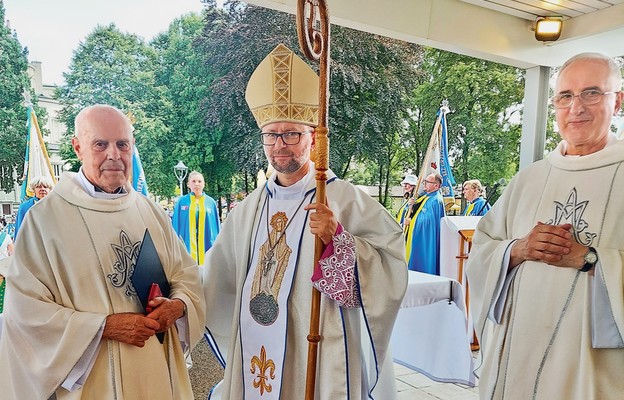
448, 180
36, 161
138, 175
436, 158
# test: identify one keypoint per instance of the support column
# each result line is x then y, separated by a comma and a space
535, 115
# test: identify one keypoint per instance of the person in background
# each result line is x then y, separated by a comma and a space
74, 327
41, 186
6, 250
196, 218
547, 263
473, 192
409, 184
423, 239
259, 274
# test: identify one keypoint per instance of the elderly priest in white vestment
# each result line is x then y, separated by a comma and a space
546, 269
74, 327
258, 277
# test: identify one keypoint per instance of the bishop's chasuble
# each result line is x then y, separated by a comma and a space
71, 270
257, 282
548, 332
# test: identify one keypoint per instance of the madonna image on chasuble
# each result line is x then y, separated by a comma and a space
272, 263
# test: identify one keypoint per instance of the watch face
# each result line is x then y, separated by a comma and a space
591, 257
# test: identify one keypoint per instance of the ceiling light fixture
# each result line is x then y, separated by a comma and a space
548, 29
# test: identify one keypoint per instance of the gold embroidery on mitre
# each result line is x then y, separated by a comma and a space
266, 371
283, 88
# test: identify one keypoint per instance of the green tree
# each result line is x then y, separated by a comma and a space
234, 41
115, 68
14, 82
185, 76
371, 80
484, 124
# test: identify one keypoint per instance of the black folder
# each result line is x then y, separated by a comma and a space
148, 270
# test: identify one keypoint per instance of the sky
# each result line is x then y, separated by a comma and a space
53, 29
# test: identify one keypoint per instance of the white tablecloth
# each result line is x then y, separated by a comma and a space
429, 335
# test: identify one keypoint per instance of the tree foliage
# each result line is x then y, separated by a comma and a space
234, 41
184, 78
484, 124
372, 78
14, 82
115, 68
186, 91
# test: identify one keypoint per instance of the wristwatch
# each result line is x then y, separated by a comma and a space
591, 258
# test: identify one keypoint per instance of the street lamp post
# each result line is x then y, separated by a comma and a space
180, 171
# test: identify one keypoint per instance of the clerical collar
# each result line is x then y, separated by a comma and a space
295, 191
97, 192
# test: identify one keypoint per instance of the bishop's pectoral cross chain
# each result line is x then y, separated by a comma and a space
267, 260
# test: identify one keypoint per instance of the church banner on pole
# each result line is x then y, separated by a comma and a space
36, 161
436, 158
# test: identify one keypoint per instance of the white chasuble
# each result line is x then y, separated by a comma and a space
270, 276
553, 333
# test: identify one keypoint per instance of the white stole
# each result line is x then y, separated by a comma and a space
271, 273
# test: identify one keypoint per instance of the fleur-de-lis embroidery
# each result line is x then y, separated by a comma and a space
264, 367
572, 211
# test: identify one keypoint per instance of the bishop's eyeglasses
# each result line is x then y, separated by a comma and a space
586, 97
288, 138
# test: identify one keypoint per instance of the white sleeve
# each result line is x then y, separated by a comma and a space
184, 332
78, 375
605, 333
502, 287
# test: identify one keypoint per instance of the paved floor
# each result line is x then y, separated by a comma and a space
411, 385
414, 386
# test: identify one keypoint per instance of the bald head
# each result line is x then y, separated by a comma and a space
95, 114
614, 75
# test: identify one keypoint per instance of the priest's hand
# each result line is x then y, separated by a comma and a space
575, 258
166, 312
546, 243
323, 223
130, 328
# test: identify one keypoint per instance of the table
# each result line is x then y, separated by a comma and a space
429, 335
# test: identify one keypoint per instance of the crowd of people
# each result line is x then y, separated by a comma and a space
74, 321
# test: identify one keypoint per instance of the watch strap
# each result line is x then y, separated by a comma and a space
587, 266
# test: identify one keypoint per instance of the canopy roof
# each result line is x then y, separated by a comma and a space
495, 30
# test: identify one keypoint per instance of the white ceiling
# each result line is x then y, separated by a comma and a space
530, 10
495, 30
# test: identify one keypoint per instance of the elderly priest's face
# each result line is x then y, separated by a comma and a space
104, 144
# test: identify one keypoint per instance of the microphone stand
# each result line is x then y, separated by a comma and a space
489, 196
